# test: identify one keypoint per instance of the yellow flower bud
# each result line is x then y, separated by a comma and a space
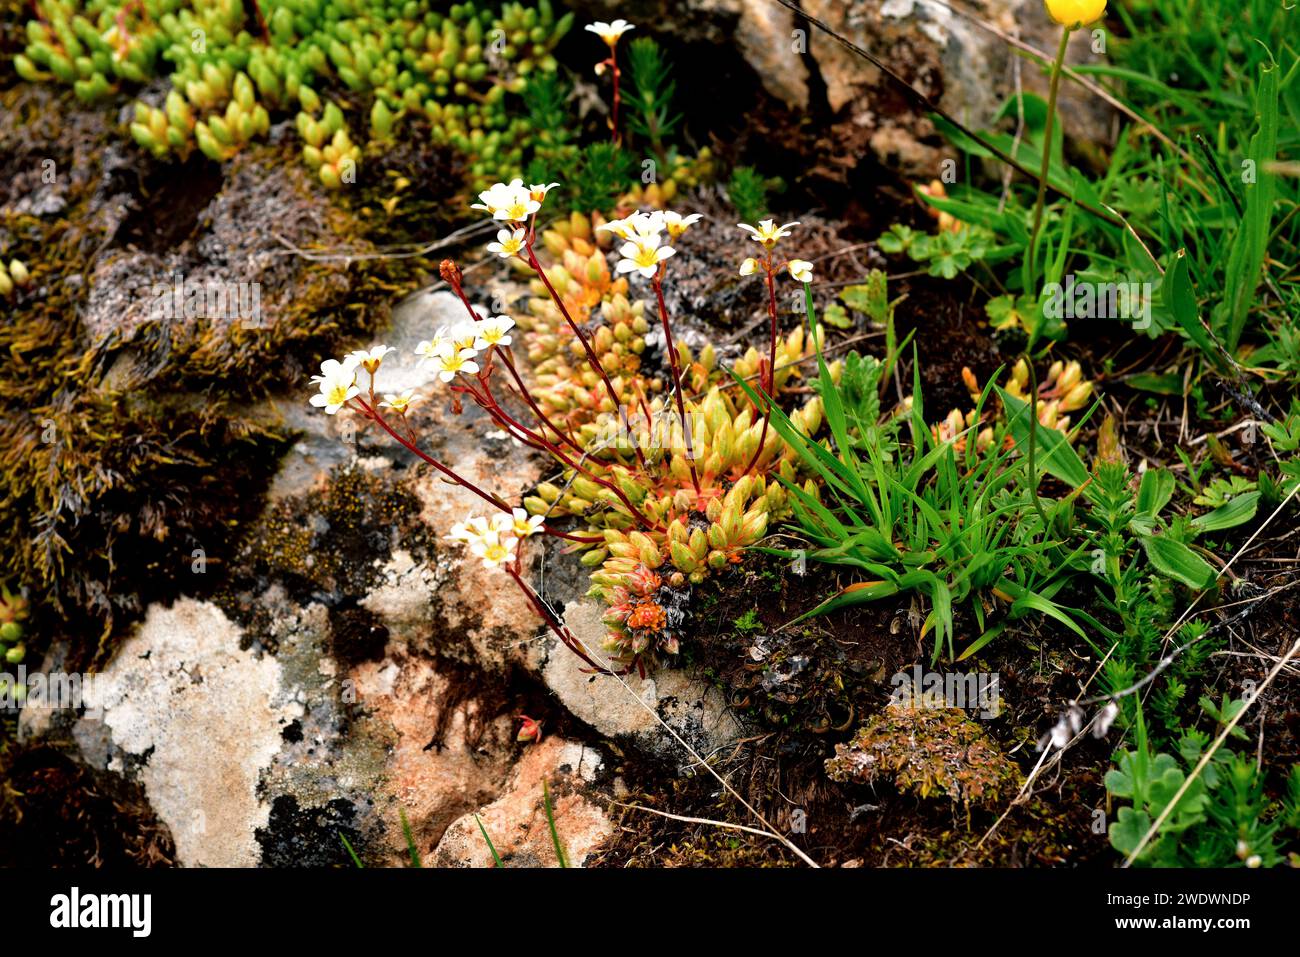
1076, 397
1071, 377
1020, 373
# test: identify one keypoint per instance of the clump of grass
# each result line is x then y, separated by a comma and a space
747, 189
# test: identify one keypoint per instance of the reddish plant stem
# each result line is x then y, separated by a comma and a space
558, 627
677, 377
586, 346
769, 374
645, 406
535, 440
261, 20
613, 64
462, 482
771, 349
528, 398
453, 280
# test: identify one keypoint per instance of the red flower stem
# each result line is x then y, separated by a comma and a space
454, 282
613, 62
591, 355
558, 627
771, 349
490, 405
677, 377
645, 406
462, 482
261, 21
527, 397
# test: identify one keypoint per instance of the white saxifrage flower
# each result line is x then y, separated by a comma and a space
488, 539
509, 201
749, 266
643, 255
538, 192
399, 402
463, 334
493, 549
428, 349
471, 529
618, 227
636, 226
678, 224
609, 32
369, 359
338, 384
768, 233
509, 242
800, 269
493, 331
501, 524
452, 362
524, 525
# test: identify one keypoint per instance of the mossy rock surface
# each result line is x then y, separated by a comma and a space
129, 452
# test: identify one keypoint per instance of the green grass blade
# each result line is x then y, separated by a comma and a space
351, 853
411, 849
550, 821
496, 858
1247, 258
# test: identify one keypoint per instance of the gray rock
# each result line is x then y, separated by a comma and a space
203, 718
637, 711
940, 52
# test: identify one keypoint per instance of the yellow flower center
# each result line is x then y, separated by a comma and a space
645, 257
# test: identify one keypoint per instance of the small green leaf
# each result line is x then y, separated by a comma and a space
351, 853
836, 315
1235, 512
1128, 830
550, 820
1177, 294
1167, 384
1154, 492
1175, 560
